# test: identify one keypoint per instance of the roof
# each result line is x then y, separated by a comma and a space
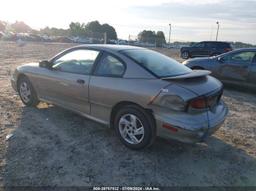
215, 41
244, 49
110, 47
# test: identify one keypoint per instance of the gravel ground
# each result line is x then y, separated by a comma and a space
51, 146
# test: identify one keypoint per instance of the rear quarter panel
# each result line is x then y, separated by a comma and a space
106, 92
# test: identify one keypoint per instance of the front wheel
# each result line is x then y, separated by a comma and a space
134, 127
185, 55
27, 93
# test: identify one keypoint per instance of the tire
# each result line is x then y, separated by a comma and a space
185, 55
132, 121
26, 92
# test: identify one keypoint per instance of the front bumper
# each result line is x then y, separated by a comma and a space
13, 83
191, 128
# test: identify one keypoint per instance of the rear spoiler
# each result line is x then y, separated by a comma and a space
193, 74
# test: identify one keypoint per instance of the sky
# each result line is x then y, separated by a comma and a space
191, 20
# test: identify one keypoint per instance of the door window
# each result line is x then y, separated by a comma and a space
242, 57
78, 61
110, 66
199, 45
210, 45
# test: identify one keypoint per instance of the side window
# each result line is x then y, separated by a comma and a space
242, 58
199, 45
254, 59
210, 45
110, 66
225, 58
78, 61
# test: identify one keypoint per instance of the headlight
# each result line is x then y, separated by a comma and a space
185, 62
173, 102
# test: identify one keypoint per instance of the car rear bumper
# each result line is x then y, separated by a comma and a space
190, 128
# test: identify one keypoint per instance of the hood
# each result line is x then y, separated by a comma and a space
28, 67
32, 64
198, 82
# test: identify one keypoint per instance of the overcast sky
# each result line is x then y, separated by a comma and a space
192, 20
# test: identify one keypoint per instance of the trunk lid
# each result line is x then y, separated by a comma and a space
198, 81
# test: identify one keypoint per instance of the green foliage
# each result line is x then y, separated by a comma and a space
92, 29
111, 32
2, 25
54, 32
152, 37
77, 29
20, 27
160, 39
147, 36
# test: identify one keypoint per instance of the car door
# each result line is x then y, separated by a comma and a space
105, 86
235, 67
252, 72
210, 47
198, 49
67, 82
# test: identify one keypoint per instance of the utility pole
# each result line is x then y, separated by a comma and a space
217, 34
105, 38
170, 25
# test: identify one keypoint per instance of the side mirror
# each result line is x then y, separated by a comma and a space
45, 64
221, 59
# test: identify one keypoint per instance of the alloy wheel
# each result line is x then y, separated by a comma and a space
25, 92
131, 129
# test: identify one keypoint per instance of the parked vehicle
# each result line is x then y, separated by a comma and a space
237, 67
139, 92
205, 48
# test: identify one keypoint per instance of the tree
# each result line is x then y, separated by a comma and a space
94, 26
147, 36
54, 31
160, 38
111, 32
152, 37
2, 25
77, 29
20, 27
93, 29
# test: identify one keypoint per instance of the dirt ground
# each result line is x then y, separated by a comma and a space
51, 146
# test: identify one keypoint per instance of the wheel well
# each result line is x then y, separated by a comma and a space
20, 76
122, 104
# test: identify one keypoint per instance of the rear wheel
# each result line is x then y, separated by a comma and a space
134, 127
27, 93
185, 55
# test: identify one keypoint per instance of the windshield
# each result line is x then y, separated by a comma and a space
158, 64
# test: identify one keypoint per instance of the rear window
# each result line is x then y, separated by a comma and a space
158, 64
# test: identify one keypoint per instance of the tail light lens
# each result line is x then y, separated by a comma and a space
205, 102
199, 103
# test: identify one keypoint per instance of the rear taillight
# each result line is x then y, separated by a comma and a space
227, 49
199, 103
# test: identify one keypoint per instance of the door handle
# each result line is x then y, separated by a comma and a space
80, 81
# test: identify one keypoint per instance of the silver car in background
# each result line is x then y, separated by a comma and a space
139, 92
